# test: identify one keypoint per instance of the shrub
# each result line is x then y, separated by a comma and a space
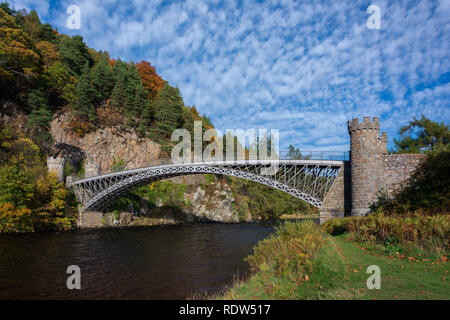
337, 226
289, 250
430, 233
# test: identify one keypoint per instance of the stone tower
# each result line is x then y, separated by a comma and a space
367, 148
92, 169
56, 165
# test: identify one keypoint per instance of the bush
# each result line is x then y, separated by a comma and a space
430, 233
289, 250
337, 226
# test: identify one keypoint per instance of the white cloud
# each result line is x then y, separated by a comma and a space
299, 67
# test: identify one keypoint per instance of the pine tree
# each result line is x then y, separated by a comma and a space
136, 98
169, 112
422, 135
86, 94
40, 116
120, 82
36, 99
74, 53
46, 33
102, 80
39, 122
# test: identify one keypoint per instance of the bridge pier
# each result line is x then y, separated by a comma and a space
90, 219
337, 202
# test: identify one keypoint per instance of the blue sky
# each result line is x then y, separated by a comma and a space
303, 67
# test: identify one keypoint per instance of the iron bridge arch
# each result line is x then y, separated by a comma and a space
309, 180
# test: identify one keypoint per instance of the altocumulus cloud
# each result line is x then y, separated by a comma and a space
304, 67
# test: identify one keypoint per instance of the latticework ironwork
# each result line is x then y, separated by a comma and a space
309, 180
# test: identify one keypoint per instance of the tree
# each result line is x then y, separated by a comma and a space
32, 25
152, 82
25, 153
40, 116
294, 153
46, 33
136, 100
5, 7
169, 112
18, 61
120, 79
74, 53
60, 83
16, 186
102, 80
130, 96
422, 135
36, 99
48, 53
85, 96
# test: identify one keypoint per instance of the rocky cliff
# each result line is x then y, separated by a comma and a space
105, 145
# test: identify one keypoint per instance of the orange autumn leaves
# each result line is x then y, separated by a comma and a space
152, 82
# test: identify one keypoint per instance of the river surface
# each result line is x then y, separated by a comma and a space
164, 262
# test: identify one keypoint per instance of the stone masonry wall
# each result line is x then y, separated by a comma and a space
398, 168
337, 203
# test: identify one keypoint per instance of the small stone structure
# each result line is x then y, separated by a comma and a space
92, 169
56, 165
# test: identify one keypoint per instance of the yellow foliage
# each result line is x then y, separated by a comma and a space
49, 54
14, 219
25, 152
14, 48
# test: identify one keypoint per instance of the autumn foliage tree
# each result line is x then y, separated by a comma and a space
152, 82
18, 58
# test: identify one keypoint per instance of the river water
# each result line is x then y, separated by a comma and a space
164, 262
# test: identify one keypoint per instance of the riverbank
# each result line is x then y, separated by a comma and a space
169, 215
335, 267
299, 216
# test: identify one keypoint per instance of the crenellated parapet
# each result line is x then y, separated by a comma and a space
366, 125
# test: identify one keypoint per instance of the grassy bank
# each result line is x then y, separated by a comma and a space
302, 262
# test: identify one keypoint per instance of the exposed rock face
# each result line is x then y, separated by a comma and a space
218, 206
192, 179
104, 145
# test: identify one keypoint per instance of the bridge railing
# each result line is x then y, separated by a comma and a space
316, 155
283, 155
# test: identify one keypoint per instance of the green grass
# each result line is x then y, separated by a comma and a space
338, 271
